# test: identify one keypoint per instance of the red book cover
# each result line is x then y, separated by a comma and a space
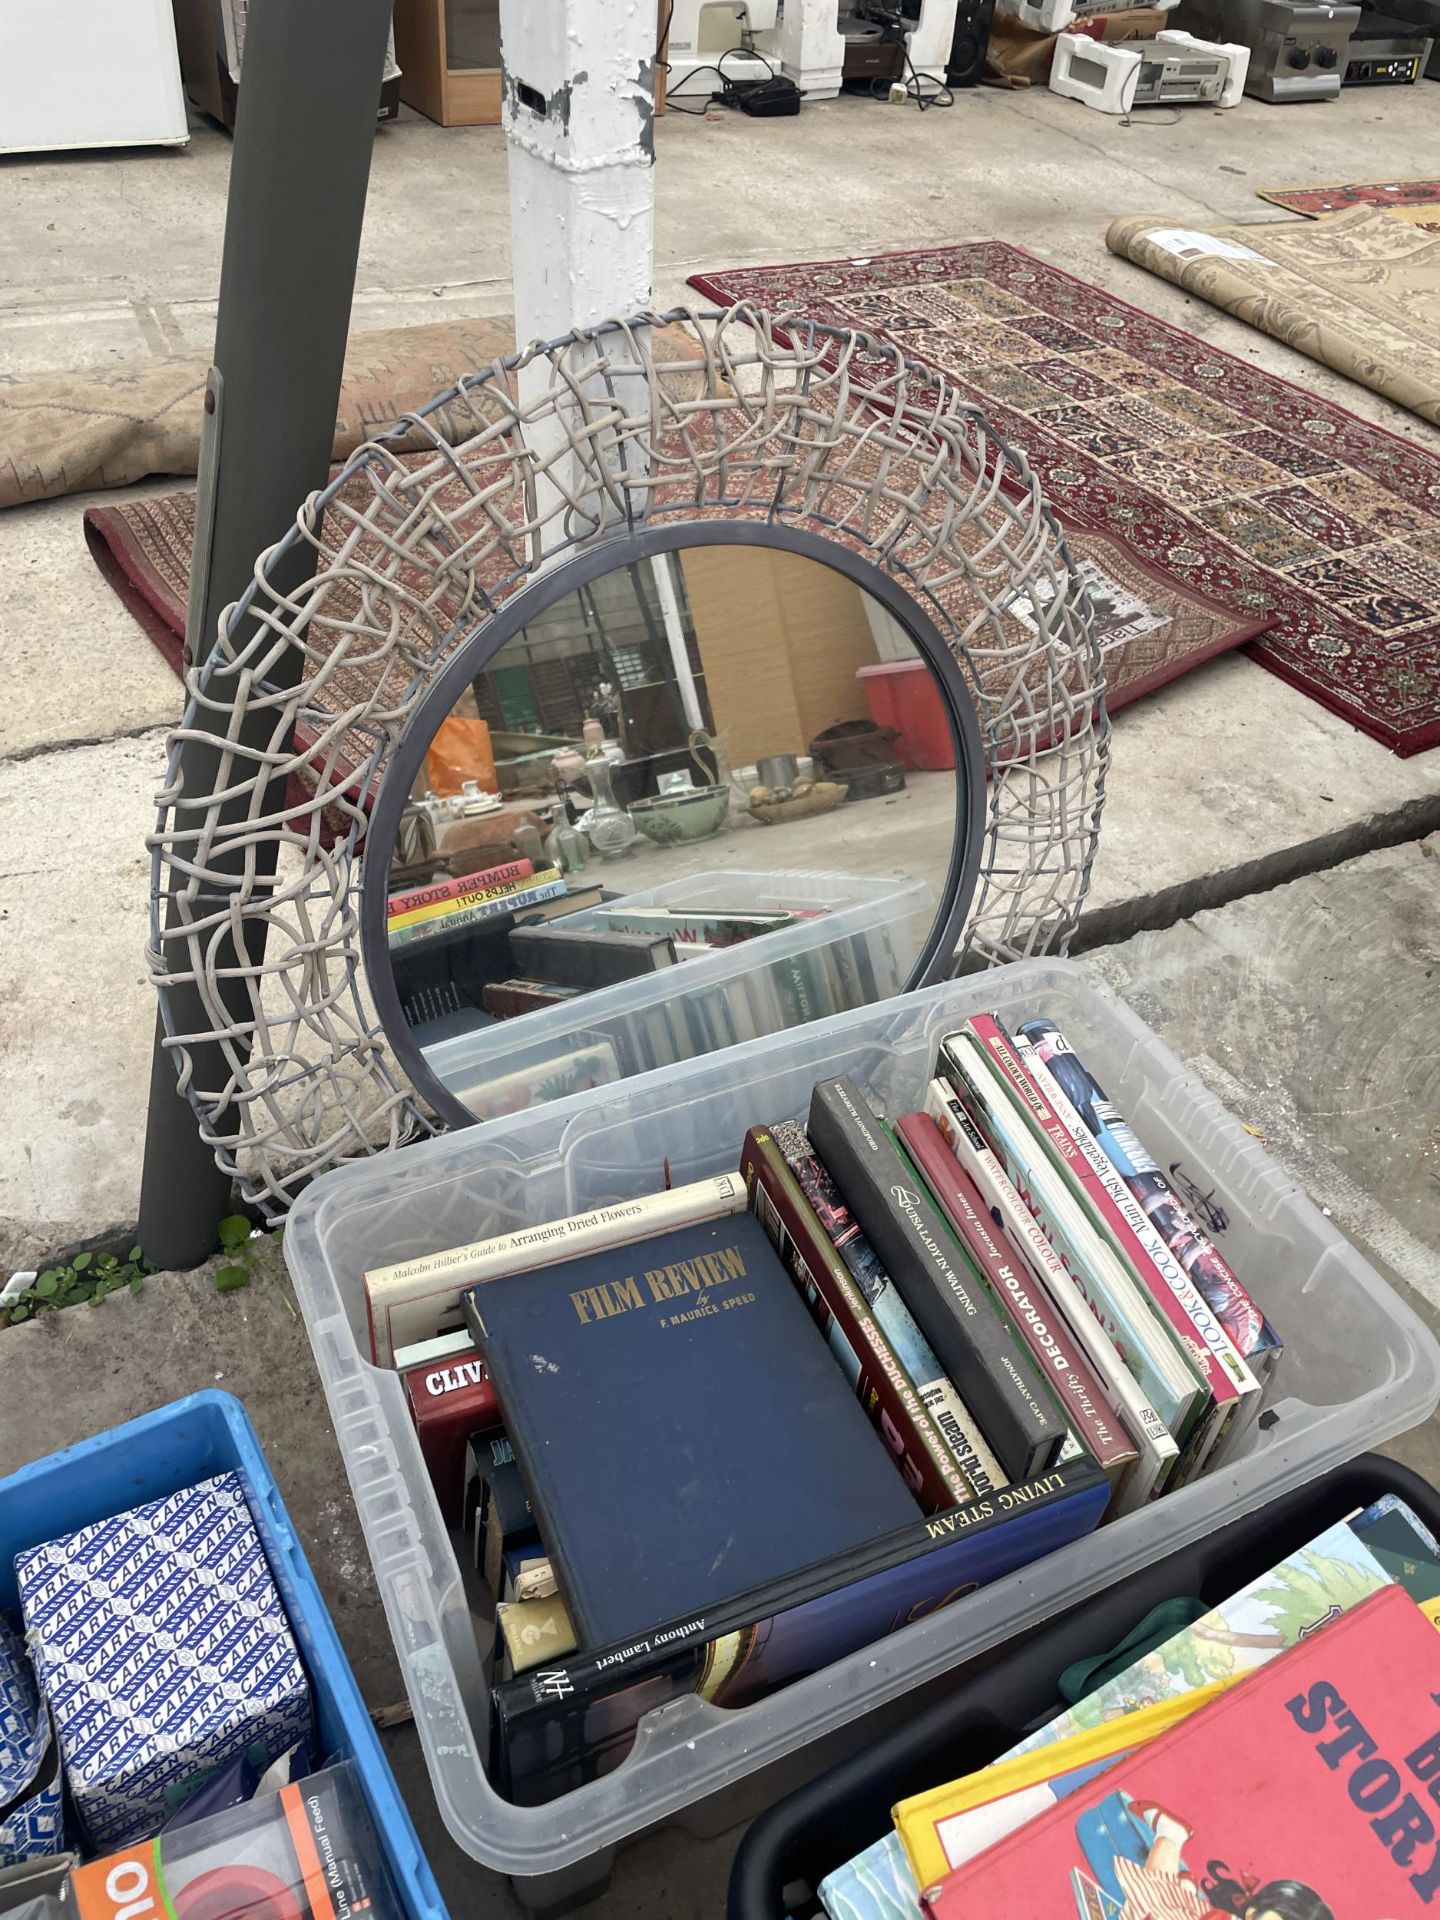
439, 890
449, 1400
1311, 1791
1081, 1397
1082, 1175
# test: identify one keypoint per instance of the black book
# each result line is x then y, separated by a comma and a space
587, 957
953, 1309
560, 1726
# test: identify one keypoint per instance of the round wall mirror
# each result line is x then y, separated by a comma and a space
696, 785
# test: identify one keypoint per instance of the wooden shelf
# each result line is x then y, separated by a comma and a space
457, 96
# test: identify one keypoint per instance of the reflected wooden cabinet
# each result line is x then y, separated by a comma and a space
449, 55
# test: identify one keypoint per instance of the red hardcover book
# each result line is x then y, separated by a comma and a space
1081, 1397
1307, 1792
881, 1384
449, 1400
439, 890
1087, 1183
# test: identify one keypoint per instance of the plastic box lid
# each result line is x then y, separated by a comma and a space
1359, 1367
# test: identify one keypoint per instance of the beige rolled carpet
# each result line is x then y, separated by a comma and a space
108, 426
1358, 290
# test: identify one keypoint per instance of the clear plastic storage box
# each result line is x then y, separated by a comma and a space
1358, 1368
876, 925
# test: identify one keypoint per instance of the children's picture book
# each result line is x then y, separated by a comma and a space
1336, 1571
1303, 1791
997, 1799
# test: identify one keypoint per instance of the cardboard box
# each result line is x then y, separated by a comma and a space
163, 1650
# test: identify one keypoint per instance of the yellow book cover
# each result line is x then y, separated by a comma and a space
441, 909
920, 1821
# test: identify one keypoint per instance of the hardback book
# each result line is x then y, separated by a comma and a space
439, 891
1185, 1236
534, 1632
683, 1431
503, 1517
1156, 1449
412, 1299
956, 1423
1112, 1209
869, 1362
588, 957
559, 1066
449, 1399
693, 926
1012, 1792
559, 1727
484, 1452
1303, 1790
507, 998
1169, 1381
1281, 1607
462, 917
1082, 1399
991, 1369
573, 900
470, 896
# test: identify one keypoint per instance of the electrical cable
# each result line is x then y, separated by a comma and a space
716, 67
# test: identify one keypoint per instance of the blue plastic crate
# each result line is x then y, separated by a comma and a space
174, 1447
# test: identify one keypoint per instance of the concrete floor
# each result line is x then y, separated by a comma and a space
1303, 1004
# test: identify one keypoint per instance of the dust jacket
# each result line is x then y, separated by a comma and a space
684, 1431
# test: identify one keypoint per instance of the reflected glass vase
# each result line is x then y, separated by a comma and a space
605, 824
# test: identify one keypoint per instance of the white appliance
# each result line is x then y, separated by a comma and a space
89, 73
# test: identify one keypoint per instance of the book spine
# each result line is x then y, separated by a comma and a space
471, 896
884, 1388
954, 1419
1080, 1394
408, 1300
427, 930
1242, 1319
994, 1375
1167, 1270
1158, 1452
1221, 1393
560, 1727
1112, 1294
441, 890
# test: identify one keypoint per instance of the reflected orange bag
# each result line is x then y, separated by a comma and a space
459, 752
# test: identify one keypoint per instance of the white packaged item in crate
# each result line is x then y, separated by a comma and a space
1236, 56
1099, 76
1358, 1367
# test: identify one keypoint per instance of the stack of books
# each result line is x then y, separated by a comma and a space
749, 1425
1278, 1757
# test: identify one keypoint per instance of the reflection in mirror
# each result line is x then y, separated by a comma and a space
709, 795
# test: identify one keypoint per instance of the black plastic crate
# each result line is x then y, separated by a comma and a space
791, 1849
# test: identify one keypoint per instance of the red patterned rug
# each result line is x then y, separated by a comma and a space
1243, 487
1415, 200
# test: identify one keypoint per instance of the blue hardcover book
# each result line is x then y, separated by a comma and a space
682, 1427
558, 1729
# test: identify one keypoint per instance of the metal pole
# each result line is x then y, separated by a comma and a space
304, 134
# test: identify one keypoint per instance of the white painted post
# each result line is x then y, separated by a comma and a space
660, 565
579, 119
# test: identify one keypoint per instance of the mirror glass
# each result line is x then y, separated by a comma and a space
711, 794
